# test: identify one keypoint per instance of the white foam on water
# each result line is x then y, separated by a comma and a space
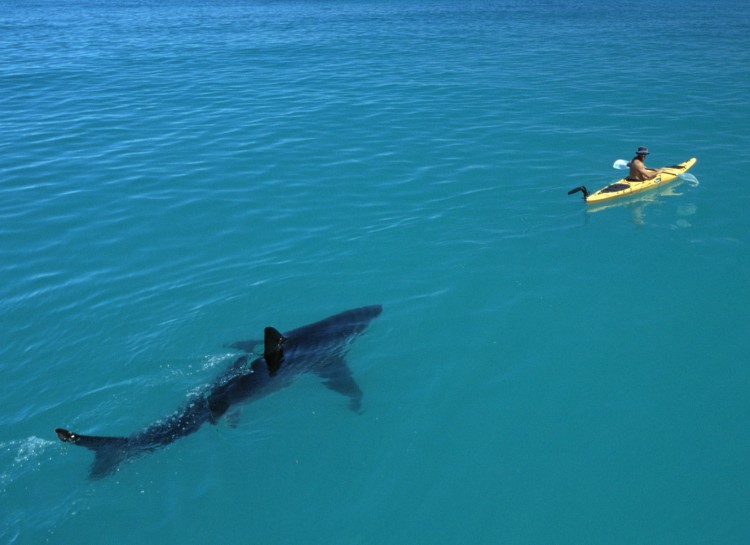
22, 453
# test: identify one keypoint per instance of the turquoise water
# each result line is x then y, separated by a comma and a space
175, 177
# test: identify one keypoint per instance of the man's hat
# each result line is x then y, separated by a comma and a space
643, 150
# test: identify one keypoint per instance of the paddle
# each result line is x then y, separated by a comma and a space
622, 164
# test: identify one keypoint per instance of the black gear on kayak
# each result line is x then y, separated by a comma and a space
582, 189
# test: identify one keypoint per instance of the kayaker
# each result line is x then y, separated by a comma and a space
638, 170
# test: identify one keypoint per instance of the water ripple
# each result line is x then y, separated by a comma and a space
176, 177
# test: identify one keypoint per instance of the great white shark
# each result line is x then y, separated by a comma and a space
318, 348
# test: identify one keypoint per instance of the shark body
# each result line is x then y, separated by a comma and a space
317, 348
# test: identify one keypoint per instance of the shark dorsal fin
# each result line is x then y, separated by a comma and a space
273, 350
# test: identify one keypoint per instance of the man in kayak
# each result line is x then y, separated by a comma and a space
638, 170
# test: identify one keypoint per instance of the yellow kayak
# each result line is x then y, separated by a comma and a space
624, 187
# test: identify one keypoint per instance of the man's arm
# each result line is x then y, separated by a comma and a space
645, 173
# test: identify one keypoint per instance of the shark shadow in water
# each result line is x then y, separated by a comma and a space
318, 348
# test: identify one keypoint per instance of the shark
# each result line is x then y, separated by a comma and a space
318, 348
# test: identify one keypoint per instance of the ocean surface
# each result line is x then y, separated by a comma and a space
177, 175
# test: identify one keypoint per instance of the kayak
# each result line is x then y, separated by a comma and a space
625, 187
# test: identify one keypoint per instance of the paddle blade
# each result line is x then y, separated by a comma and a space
620, 164
689, 178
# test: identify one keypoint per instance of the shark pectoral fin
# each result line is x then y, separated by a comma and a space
273, 349
246, 346
218, 404
338, 377
233, 418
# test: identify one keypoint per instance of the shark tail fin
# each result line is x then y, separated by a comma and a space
109, 451
273, 349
